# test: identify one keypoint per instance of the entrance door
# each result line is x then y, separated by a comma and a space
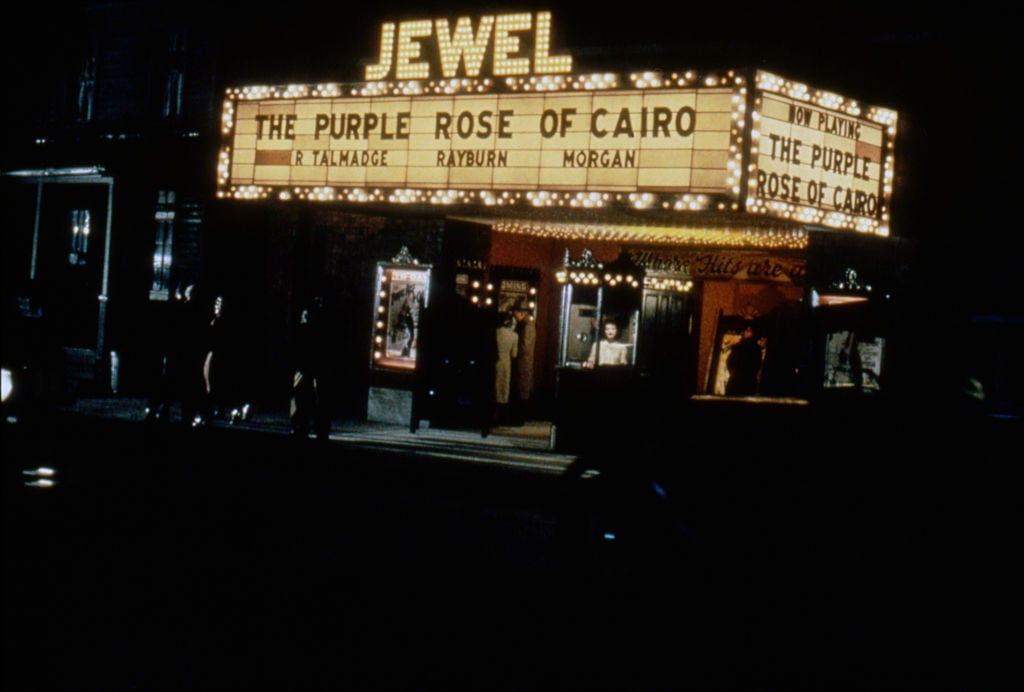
667, 348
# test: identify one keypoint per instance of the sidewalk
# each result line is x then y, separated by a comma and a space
527, 447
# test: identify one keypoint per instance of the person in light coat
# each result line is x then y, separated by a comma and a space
507, 348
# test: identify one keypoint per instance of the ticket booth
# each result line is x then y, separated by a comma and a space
598, 382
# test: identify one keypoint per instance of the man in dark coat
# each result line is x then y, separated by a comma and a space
522, 366
744, 364
308, 399
180, 330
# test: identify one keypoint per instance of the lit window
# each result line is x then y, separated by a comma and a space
86, 90
163, 245
81, 226
174, 78
173, 86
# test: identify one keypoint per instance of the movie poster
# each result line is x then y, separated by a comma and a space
853, 361
401, 297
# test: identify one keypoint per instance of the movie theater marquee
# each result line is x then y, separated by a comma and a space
820, 158
483, 111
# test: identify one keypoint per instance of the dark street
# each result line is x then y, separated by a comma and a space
227, 559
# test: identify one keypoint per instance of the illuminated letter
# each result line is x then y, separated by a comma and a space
542, 62
387, 46
504, 45
463, 45
594, 129
408, 49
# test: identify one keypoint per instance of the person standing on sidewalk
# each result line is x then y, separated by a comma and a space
507, 342
193, 339
216, 364
173, 333
744, 364
522, 366
308, 407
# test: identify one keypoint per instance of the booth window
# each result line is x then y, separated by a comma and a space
81, 227
600, 312
163, 245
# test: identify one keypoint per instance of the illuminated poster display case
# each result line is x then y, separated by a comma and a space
853, 360
403, 292
516, 288
855, 322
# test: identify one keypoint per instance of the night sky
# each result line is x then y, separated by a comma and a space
946, 71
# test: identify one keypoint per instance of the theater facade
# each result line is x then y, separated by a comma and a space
473, 169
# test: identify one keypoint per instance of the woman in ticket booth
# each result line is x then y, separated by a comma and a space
609, 350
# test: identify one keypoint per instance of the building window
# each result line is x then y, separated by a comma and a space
172, 93
174, 77
86, 90
81, 227
163, 245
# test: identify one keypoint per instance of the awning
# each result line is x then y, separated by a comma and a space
703, 229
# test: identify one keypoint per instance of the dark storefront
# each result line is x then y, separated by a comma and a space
688, 306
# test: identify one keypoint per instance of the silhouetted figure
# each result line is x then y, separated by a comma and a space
194, 344
522, 365
211, 342
215, 362
221, 376
856, 364
173, 333
308, 408
744, 363
408, 320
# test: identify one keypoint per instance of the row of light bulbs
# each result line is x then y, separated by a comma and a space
594, 278
748, 237
765, 81
582, 200
463, 85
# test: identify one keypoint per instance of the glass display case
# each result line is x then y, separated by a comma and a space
517, 293
853, 360
852, 334
403, 290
